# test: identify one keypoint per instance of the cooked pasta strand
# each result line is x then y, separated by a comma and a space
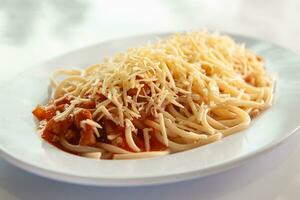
179, 93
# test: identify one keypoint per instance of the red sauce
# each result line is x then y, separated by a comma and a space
42, 114
156, 145
75, 134
88, 137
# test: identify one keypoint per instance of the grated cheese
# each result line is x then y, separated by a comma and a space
188, 83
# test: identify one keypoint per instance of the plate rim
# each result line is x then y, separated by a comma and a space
144, 181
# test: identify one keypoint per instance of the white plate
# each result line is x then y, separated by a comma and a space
22, 146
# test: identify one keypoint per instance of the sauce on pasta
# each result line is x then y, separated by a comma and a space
179, 93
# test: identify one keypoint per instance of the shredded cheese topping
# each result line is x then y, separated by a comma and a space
187, 89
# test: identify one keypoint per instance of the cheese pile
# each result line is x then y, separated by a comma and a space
185, 70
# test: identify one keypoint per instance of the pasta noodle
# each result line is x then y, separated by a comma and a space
179, 93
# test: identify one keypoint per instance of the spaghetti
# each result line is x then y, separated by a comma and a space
180, 93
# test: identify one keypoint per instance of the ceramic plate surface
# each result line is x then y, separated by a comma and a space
21, 145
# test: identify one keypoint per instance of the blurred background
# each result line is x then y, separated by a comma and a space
33, 30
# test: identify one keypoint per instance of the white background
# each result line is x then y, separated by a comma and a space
32, 31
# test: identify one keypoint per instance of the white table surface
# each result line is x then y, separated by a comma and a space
32, 31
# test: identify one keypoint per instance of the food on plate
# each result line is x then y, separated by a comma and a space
179, 93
